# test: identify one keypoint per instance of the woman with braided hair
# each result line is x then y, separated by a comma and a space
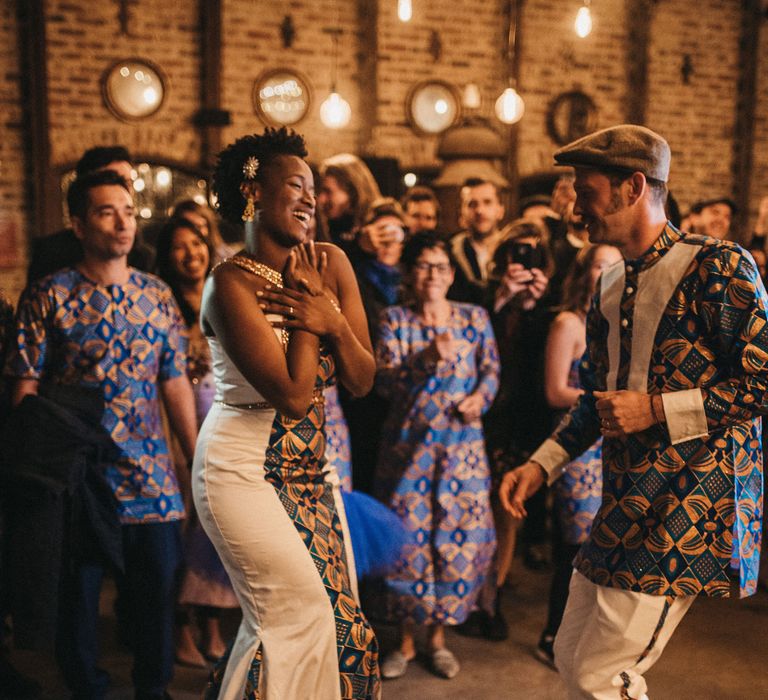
282, 317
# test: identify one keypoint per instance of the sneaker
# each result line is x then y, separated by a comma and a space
545, 651
394, 665
444, 663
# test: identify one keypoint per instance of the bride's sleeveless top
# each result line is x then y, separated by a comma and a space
293, 444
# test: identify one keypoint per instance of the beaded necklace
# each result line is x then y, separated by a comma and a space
270, 274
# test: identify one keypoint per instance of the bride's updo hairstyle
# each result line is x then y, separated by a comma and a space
247, 159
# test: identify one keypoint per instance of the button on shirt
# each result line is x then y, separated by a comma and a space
125, 339
681, 502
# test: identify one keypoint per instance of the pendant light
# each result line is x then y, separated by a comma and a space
583, 23
335, 111
509, 106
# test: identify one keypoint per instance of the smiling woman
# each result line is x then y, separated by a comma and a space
261, 447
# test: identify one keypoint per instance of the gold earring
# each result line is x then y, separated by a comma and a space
250, 210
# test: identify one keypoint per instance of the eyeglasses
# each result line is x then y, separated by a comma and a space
440, 268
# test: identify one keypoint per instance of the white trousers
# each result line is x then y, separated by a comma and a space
610, 637
286, 610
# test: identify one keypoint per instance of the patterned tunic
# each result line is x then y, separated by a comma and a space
433, 470
687, 320
578, 491
125, 339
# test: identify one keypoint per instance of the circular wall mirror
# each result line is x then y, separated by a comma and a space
433, 106
281, 97
133, 89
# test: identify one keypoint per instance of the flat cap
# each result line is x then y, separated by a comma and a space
701, 204
624, 147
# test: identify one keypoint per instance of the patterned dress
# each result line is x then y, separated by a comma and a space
266, 501
338, 451
433, 470
205, 580
578, 491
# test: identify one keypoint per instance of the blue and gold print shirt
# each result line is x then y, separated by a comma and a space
682, 503
125, 339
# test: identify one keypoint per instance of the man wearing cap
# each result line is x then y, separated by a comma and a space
675, 376
712, 217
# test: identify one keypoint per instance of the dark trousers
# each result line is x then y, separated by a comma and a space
152, 556
563, 555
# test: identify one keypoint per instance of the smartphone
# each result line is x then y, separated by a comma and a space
527, 255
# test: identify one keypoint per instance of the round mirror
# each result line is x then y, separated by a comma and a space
433, 106
281, 97
133, 89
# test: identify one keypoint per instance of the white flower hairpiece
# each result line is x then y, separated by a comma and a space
250, 168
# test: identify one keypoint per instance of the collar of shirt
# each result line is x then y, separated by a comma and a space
661, 246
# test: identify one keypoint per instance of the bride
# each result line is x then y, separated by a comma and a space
260, 484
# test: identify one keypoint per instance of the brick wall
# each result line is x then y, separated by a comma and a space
379, 60
697, 118
13, 205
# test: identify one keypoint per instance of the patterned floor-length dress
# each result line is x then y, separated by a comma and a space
264, 497
433, 470
578, 492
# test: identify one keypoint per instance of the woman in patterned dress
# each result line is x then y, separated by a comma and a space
280, 320
437, 360
577, 493
184, 258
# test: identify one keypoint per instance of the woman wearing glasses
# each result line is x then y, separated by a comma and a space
437, 361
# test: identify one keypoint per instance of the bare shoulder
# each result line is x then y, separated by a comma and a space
340, 272
567, 322
336, 256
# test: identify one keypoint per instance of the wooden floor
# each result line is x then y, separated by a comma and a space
718, 652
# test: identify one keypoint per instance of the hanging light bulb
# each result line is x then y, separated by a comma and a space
583, 23
404, 10
510, 106
335, 111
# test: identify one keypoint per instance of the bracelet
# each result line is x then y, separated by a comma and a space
653, 411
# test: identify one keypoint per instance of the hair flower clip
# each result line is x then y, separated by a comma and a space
250, 168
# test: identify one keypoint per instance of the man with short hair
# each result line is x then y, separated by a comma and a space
712, 217
106, 326
482, 213
63, 249
675, 379
421, 209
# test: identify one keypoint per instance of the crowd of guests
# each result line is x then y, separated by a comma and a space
128, 346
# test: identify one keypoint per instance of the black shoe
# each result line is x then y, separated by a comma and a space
535, 559
14, 684
545, 651
473, 625
495, 627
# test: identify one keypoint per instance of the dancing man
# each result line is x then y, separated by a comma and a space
675, 377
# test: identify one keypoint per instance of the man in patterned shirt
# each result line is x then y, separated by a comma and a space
104, 324
675, 377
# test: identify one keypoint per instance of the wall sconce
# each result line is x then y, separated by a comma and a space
133, 89
404, 10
